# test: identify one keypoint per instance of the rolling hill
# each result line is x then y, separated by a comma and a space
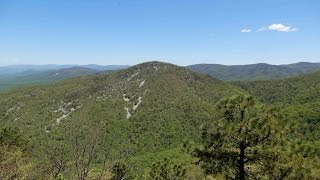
147, 109
254, 71
12, 78
14, 69
300, 89
32, 77
21, 75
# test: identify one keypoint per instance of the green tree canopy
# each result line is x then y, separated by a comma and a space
167, 170
235, 144
15, 162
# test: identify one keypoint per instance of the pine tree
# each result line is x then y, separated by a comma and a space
237, 143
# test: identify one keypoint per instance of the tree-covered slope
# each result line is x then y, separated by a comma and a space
300, 89
147, 108
298, 101
254, 71
157, 95
303, 67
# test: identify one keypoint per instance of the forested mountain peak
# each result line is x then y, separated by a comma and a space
149, 107
153, 87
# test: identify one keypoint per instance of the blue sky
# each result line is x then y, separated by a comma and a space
178, 31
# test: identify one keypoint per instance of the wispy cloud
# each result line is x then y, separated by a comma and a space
277, 27
262, 29
246, 30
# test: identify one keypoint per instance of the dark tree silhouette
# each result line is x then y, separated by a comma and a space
236, 140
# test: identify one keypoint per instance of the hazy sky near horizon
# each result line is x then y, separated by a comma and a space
181, 31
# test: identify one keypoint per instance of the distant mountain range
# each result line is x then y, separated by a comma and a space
255, 71
299, 89
14, 69
21, 75
31, 77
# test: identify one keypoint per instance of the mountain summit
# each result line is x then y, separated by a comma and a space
155, 105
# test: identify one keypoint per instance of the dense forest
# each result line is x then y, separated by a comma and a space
161, 121
26, 75
260, 71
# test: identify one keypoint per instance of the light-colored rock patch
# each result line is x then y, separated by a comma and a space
14, 108
145, 92
128, 112
137, 104
10, 110
103, 97
62, 117
156, 68
61, 109
125, 98
132, 76
142, 83
45, 130
65, 110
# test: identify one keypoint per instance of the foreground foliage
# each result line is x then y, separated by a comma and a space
238, 144
167, 170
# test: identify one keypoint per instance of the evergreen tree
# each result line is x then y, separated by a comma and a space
237, 143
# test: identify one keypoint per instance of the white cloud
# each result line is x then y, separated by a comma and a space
277, 27
246, 30
281, 28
